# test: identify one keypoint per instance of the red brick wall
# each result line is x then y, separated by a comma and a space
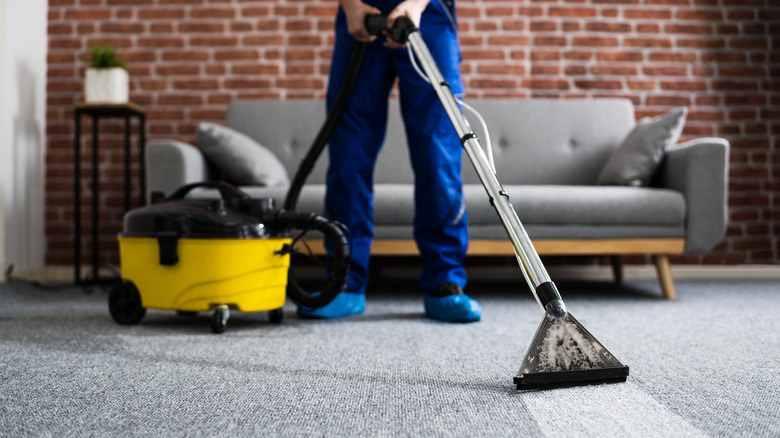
189, 58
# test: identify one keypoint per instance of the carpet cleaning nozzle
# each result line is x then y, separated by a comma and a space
563, 353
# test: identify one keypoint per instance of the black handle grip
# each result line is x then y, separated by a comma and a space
226, 190
402, 27
375, 24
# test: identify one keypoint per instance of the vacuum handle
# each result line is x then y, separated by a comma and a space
375, 24
402, 27
226, 190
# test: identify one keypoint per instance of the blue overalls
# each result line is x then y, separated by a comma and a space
440, 223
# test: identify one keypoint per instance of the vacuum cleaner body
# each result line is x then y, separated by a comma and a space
198, 255
249, 275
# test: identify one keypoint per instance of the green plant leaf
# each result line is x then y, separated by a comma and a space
105, 57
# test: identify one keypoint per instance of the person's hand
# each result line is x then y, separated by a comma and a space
356, 11
408, 8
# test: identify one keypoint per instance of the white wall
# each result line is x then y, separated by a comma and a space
23, 44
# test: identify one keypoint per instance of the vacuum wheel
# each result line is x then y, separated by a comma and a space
219, 319
276, 316
124, 304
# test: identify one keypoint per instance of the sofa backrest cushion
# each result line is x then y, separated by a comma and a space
535, 141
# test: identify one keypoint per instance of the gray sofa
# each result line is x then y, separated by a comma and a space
548, 155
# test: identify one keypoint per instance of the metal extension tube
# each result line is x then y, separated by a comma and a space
530, 264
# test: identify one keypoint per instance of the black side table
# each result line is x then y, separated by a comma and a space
98, 111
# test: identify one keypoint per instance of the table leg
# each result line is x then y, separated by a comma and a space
77, 198
127, 162
95, 197
141, 153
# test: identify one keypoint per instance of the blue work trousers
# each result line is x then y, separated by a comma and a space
440, 221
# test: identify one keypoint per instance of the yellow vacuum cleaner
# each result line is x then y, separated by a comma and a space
199, 255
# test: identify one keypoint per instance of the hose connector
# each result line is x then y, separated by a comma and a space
551, 300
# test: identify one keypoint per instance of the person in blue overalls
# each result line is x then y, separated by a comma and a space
440, 223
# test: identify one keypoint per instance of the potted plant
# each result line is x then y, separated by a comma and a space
106, 80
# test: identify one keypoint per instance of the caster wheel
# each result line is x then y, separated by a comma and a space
219, 319
276, 315
124, 304
186, 313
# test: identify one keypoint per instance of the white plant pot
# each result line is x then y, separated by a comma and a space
106, 85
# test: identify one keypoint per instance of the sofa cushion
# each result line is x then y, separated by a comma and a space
636, 159
243, 160
551, 205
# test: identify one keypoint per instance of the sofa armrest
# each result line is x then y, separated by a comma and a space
699, 169
171, 164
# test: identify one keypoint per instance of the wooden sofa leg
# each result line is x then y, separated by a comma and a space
665, 275
617, 268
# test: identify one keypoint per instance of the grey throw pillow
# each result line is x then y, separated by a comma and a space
243, 160
638, 157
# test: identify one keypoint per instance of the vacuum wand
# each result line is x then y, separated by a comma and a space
539, 282
563, 353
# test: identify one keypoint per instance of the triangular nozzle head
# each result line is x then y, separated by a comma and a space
563, 353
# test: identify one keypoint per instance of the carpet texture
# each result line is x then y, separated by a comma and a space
704, 365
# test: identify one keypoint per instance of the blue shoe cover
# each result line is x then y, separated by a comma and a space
345, 304
452, 308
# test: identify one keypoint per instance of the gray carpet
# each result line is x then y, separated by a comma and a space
705, 365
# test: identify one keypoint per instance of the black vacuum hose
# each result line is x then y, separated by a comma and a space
287, 218
375, 24
341, 254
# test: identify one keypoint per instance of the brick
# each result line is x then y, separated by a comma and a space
549, 41
542, 26
302, 83
247, 83
213, 41
256, 69
665, 70
572, 12
734, 85
122, 28
697, 29
686, 57
544, 70
702, 43
481, 83
598, 84
201, 27
236, 55
607, 27
87, 15
700, 14
501, 69
305, 40
264, 40
185, 55
648, 42
595, 41
748, 43
648, 28
212, 13
545, 55
578, 55
620, 56
641, 85
256, 11
508, 41
647, 14
161, 42
614, 70
547, 84
160, 14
